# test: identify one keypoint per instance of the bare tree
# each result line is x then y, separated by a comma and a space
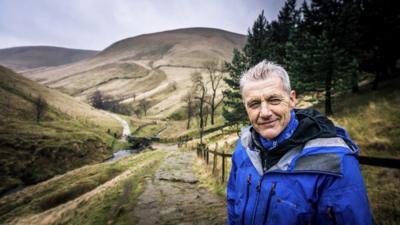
200, 91
41, 107
215, 72
145, 105
97, 100
188, 98
206, 112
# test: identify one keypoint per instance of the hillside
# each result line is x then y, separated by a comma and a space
69, 135
31, 57
154, 66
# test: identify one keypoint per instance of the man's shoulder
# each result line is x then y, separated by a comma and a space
324, 155
245, 137
329, 145
322, 143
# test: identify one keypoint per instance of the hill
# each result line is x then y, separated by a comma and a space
31, 57
154, 66
69, 135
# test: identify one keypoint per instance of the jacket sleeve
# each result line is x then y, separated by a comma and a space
344, 199
231, 193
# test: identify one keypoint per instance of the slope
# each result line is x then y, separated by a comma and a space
154, 66
31, 57
70, 133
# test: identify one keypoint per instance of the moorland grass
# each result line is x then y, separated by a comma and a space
63, 188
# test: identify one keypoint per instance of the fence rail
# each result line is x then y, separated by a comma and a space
204, 152
381, 162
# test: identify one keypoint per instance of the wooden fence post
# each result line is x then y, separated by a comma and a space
207, 154
215, 158
204, 152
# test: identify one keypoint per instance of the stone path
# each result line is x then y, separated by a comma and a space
172, 196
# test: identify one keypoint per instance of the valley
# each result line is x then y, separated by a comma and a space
53, 142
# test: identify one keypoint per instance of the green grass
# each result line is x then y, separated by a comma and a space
148, 130
372, 120
69, 135
383, 193
71, 185
207, 179
60, 145
116, 206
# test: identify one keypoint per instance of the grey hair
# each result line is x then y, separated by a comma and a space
264, 70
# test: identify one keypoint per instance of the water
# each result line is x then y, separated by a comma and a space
122, 153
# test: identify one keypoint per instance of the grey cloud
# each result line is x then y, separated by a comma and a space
95, 24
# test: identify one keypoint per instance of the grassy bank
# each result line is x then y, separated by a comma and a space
94, 194
69, 133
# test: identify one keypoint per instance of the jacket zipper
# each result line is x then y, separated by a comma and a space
247, 198
331, 215
258, 188
271, 193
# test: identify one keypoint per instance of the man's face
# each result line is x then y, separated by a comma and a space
268, 106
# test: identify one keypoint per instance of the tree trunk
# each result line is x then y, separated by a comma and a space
212, 108
354, 81
201, 114
188, 123
328, 94
189, 115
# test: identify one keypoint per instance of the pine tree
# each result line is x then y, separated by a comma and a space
381, 34
281, 31
254, 51
257, 41
233, 110
316, 60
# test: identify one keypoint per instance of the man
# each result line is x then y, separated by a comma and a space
291, 166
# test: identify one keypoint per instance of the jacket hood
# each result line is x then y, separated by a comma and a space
312, 125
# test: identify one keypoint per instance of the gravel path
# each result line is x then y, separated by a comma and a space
172, 196
126, 131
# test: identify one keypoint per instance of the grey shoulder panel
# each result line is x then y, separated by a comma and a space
324, 162
255, 160
245, 137
326, 142
247, 143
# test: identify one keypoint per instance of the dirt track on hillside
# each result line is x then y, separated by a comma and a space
172, 196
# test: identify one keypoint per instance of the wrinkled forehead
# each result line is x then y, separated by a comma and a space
270, 86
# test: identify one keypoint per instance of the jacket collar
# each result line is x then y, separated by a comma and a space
319, 129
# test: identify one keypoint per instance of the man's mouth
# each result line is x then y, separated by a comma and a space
268, 123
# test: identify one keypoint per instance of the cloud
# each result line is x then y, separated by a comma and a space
96, 24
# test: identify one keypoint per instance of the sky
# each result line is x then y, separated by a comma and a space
96, 24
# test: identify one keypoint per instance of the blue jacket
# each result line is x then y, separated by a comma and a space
316, 181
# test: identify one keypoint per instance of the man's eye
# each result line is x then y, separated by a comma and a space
275, 101
253, 104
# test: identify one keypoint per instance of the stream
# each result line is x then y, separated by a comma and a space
122, 153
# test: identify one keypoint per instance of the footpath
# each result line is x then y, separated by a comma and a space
173, 196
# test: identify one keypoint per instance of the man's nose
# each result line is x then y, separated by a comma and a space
265, 111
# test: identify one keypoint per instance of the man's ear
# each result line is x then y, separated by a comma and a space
293, 100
